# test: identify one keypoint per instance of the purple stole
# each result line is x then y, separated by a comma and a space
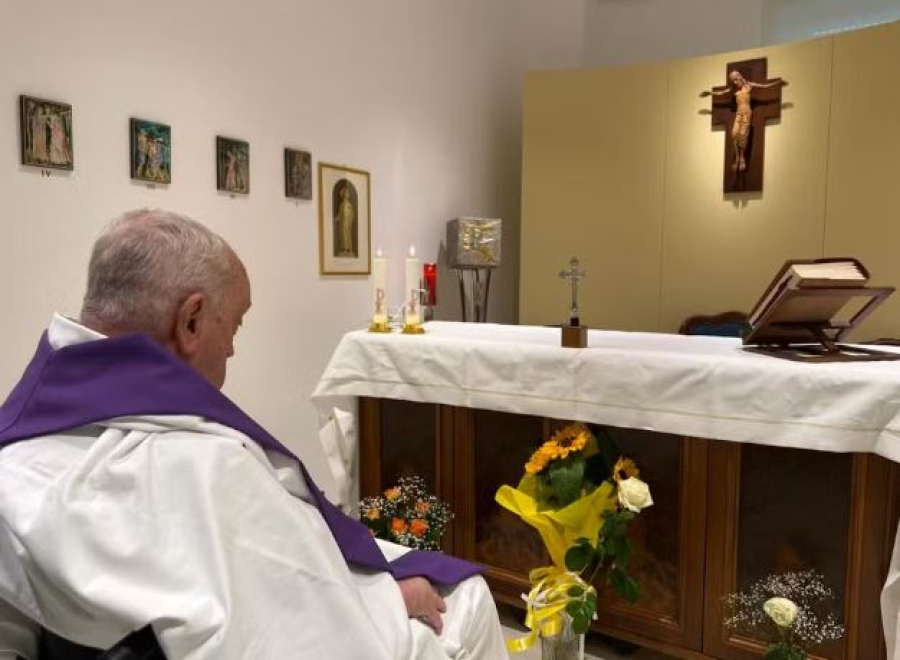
133, 375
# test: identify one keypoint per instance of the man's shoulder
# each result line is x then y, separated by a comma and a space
123, 439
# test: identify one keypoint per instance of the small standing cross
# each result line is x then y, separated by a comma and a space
574, 276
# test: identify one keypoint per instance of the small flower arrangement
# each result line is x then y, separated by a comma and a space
580, 494
789, 611
407, 515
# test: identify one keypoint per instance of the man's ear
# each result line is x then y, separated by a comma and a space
189, 319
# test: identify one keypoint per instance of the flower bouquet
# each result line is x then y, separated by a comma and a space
580, 495
407, 515
789, 611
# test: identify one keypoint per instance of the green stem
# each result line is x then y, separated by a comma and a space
594, 572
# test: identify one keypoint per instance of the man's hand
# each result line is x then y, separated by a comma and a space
423, 602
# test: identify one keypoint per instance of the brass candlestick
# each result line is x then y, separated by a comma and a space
380, 326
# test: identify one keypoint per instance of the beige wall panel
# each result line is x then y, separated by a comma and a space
719, 251
863, 218
593, 174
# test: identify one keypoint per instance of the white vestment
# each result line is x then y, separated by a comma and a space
191, 526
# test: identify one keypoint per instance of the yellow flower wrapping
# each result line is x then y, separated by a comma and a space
547, 602
560, 529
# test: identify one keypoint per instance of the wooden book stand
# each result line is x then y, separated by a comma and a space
806, 324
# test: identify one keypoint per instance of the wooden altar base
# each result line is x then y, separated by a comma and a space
725, 514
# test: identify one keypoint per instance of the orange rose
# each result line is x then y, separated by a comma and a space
398, 526
392, 493
422, 507
418, 528
373, 514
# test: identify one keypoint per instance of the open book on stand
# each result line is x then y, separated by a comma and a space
810, 306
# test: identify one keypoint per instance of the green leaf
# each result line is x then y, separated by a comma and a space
579, 555
582, 614
624, 585
620, 549
581, 623
595, 471
576, 592
783, 651
592, 448
609, 452
567, 477
544, 491
528, 484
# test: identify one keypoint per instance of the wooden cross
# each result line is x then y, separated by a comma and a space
746, 175
574, 276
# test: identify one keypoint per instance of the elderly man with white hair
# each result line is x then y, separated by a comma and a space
134, 493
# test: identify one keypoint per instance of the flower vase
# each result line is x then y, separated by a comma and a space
567, 645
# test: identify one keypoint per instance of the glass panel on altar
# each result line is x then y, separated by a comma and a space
409, 432
655, 533
794, 515
503, 444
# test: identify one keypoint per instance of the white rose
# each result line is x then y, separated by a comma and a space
782, 611
634, 494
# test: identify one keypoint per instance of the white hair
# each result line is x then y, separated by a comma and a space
145, 264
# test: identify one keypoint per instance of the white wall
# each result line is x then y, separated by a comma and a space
619, 32
426, 95
791, 20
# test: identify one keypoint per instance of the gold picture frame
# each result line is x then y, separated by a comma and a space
345, 221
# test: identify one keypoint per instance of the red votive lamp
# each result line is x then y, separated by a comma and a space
430, 277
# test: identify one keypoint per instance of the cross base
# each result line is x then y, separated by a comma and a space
574, 336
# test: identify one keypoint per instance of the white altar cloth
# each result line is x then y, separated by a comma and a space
704, 387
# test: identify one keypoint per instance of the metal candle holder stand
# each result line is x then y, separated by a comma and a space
474, 290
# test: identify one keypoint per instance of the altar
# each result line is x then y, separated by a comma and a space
757, 465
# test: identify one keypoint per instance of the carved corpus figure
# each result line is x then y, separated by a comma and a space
744, 106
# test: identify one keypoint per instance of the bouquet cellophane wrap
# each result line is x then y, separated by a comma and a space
560, 528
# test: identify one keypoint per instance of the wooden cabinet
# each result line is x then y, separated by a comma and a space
725, 514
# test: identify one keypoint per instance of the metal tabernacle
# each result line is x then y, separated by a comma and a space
473, 251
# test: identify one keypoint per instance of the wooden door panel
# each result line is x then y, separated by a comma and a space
787, 510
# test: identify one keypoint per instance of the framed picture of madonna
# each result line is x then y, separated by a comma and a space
344, 221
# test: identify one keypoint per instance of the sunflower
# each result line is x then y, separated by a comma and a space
537, 462
625, 469
570, 439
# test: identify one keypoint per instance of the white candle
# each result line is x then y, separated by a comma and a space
413, 274
379, 288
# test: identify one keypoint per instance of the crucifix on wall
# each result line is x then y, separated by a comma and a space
743, 106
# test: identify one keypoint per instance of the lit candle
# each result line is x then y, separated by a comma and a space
430, 277
379, 288
413, 273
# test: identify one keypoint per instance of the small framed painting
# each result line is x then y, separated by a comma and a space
45, 129
297, 174
151, 151
232, 165
344, 221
